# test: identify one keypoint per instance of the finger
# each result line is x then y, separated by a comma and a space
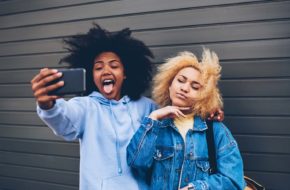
42, 74
180, 114
45, 90
218, 118
184, 108
45, 81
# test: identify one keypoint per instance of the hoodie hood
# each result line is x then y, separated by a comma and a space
104, 101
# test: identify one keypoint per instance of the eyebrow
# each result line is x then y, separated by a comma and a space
113, 60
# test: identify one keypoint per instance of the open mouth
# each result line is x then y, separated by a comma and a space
108, 85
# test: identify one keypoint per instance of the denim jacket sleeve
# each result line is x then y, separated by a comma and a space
142, 145
229, 174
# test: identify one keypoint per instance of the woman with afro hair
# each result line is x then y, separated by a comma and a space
118, 71
171, 144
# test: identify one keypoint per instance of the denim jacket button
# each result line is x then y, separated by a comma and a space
148, 124
186, 179
159, 155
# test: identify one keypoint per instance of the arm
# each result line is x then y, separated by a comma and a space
142, 146
58, 114
65, 118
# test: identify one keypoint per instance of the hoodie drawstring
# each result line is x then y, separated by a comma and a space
117, 143
130, 115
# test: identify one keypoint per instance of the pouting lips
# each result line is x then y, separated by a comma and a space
108, 85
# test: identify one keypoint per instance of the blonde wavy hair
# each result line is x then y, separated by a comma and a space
209, 97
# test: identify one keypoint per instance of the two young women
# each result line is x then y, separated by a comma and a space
118, 71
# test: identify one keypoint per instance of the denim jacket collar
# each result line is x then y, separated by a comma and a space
199, 123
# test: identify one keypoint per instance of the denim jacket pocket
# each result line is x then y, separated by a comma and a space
202, 168
163, 153
163, 157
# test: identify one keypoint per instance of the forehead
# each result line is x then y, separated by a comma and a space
107, 56
190, 73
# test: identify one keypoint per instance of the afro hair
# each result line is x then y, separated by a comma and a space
134, 54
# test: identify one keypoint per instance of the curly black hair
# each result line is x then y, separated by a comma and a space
134, 54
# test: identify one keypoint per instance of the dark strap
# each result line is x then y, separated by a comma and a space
211, 147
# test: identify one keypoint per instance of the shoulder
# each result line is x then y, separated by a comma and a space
146, 101
223, 136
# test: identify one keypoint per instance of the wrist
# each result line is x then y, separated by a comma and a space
47, 105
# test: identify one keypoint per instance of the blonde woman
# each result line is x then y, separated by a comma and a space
170, 146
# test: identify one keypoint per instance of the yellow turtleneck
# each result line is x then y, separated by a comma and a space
183, 124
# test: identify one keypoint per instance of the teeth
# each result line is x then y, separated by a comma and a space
108, 81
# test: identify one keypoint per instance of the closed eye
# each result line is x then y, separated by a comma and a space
195, 86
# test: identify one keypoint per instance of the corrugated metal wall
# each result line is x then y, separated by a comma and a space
252, 39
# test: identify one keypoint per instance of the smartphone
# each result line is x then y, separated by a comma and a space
74, 82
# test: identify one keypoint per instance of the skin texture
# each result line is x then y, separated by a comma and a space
108, 66
183, 90
184, 87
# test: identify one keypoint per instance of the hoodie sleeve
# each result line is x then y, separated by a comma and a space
65, 118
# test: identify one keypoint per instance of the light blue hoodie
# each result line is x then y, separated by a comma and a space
104, 128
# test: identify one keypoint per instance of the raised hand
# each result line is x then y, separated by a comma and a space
168, 112
41, 90
218, 115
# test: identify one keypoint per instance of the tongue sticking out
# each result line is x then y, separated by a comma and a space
108, 88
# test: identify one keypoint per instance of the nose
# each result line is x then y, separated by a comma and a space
106, 70
185, 87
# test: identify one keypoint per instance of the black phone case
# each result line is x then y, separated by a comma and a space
74, 82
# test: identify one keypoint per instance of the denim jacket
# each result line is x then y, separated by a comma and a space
159, 149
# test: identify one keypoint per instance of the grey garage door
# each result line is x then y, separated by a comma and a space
251, 37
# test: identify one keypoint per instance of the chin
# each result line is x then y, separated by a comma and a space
180, 104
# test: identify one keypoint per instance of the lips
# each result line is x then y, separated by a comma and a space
181, 96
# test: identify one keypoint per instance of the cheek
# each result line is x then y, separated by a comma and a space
170, 92
96, 78
193, 96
